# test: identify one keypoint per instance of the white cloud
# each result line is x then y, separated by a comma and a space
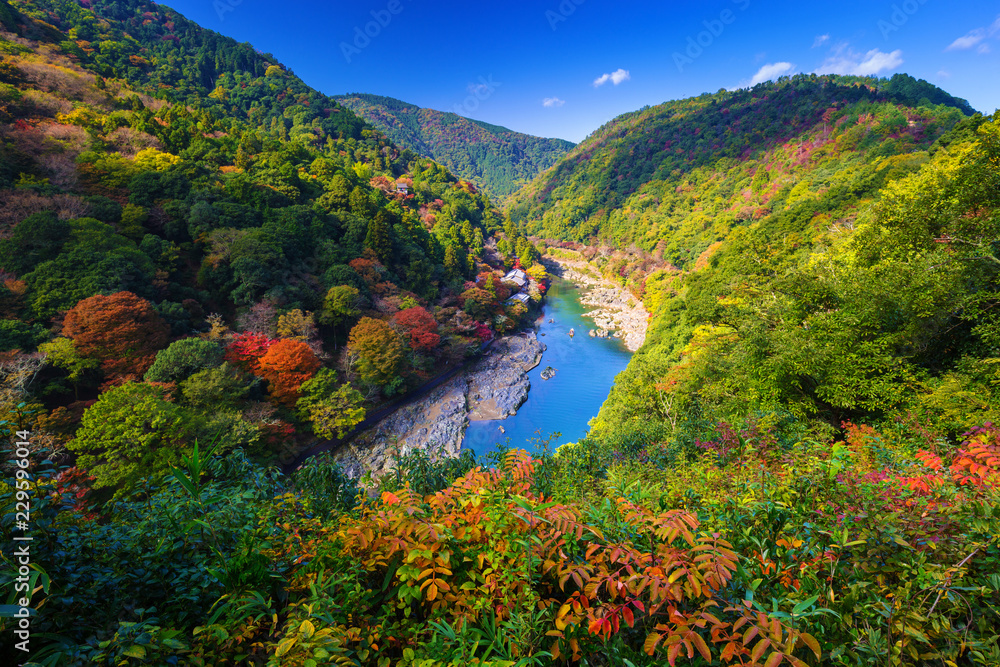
615, 77
876, 61
968, 41
847, 61
771, 71
820, 40
974, 38
944, 74
553, 102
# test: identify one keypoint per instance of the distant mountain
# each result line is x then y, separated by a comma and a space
495, 158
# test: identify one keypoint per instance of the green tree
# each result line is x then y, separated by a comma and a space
17, 335
130, 433
214, 388
92, 259
36, 239
379, 237
332, 410
341, 304
361, 203
338, 194
62, 353
183, 358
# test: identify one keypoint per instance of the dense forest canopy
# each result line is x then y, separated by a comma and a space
206, 266
632, 163
164, 186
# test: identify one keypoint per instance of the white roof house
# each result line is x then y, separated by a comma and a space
520, 296
518, 277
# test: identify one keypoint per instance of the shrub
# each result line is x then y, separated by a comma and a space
184, 358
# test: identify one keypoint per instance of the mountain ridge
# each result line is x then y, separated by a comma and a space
574, 198
494, 157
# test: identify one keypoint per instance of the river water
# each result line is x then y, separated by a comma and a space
585, 370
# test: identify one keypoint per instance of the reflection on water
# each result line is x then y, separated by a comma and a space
585, 370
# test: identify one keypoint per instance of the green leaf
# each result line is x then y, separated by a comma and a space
284, 646
135, 652
916, 634
8, 610
184, 481
805, 604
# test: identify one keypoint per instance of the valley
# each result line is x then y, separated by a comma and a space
717, 382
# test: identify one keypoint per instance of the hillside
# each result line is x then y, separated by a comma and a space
204, 188
198, 249
819, 378
621, 184
703, 202
495, 158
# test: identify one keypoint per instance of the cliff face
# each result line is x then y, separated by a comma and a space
493, 388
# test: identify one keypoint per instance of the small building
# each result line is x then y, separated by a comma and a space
518, 277
520, 296
402, 188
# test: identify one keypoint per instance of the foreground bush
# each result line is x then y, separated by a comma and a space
488, 570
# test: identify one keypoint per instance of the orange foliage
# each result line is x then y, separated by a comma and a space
371, 271
489, 545
286, 365
122, 331
978, 462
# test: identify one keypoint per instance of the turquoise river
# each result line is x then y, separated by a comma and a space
585, 371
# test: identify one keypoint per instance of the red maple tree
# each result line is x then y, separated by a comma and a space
420, 326
246, 349
122, 331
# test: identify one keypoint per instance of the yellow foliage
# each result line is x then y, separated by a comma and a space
151, 159
82, 116
296, 325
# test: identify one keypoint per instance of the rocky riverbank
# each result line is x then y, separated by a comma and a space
493, 388
616, 311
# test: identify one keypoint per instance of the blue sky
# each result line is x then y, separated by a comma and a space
561, 68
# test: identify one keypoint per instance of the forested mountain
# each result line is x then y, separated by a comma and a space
729, 198
620, 184
495, 158
154, 171
196, 247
